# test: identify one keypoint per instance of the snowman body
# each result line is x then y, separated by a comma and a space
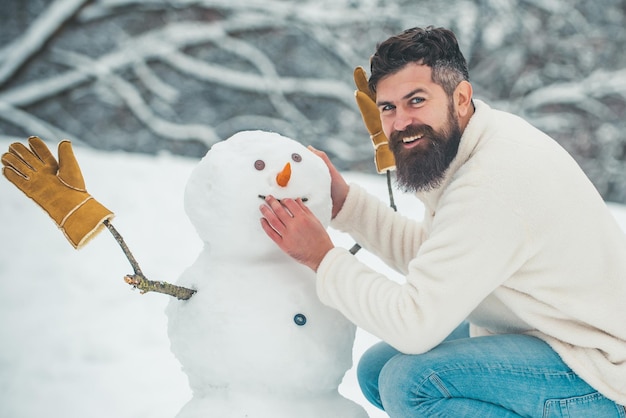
255, 341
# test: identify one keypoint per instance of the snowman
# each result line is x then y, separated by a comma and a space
254, 340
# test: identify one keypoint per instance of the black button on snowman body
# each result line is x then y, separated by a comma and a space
299, 319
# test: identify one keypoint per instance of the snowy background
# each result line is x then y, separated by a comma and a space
75, 339
179, 75
163, 80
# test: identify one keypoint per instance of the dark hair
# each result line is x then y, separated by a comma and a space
434, 47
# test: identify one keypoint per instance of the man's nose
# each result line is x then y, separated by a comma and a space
402, 120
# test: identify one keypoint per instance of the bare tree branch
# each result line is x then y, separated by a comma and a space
38, 33
137, 105
179, 75
33, 124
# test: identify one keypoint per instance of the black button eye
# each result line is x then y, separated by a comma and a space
299, 319
296, 157
259, 164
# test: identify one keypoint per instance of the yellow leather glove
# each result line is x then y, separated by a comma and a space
58, 188
366, 100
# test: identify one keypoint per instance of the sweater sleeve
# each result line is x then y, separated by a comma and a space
476, 242
373, 224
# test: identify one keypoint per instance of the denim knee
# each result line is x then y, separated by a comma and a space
375, 358
369, 368
395, 395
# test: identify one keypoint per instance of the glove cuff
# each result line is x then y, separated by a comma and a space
84, 222
384, 159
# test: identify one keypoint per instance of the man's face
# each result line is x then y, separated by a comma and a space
420, 121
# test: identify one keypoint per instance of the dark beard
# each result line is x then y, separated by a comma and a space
423, 168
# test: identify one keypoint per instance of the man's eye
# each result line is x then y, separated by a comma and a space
417, 100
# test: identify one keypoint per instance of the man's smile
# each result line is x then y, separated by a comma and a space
413, 138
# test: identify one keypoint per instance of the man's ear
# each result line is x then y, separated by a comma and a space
463, 99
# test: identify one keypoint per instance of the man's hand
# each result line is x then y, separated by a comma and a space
338, 186
296, 230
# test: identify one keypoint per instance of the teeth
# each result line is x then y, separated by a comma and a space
412, 138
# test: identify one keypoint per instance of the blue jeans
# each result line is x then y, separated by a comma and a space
495, 376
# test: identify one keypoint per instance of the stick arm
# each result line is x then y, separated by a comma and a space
139, 281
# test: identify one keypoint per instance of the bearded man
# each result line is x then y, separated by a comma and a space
514, 298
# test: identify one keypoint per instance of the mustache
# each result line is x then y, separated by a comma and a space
412, 130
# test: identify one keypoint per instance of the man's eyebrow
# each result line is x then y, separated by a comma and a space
405, 97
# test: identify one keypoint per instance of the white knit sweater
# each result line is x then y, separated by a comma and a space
516, 239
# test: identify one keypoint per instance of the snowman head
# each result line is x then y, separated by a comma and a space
225, 190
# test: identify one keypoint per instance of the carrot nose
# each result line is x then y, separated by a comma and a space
283, 177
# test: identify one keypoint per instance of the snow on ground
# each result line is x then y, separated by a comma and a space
75, 339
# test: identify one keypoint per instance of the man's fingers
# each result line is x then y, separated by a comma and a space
277, 214
295, 207
281, 208
270, 231
280, 213
296, 230
321, 154
338, 187
334, 173
275, 217
269, 216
